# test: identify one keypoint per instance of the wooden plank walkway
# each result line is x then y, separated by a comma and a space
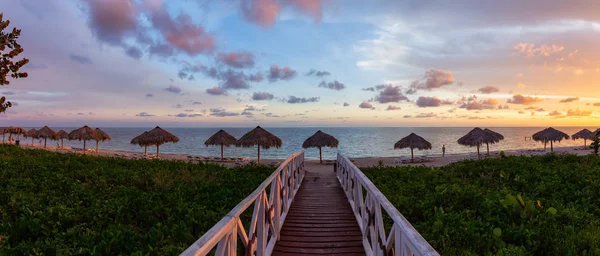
320, 220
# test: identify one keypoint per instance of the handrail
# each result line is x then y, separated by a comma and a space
403, 238
267, 219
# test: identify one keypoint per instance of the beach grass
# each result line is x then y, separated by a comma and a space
68, 204
548, 205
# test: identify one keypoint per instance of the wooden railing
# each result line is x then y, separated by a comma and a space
270, 210
402, 238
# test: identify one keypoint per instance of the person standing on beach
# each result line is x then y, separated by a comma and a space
443, 150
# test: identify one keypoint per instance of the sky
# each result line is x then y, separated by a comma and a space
288, 63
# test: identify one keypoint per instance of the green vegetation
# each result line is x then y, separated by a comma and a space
65, 204
546, 205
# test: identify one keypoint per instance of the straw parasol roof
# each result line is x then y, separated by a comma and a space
157, 136
101, 136
477, 137
47, 133
413, 141
495, 134
17, 131
221, 138
259, 137
33, 134
550, 134
319, 140
138, 141
62, 134
84, 133
584, 134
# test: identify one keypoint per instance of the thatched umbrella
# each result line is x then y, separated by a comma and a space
319, 140
261, 138
584, 134
477, 137
413, 141
32, 134
17, 131
84, 133
3, 130
138, 141
62, 134
46, 133
158, 136
101, 136
551, 135
494, 134
221, 138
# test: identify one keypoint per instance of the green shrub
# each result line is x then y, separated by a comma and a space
547, 205
65, 204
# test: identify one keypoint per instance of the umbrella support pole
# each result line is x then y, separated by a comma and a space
62, 143
221, 152
551, 147
478, 155
96, 146
258, 162
320, 156
488, 148
145, 150
157, 151
84, 147
45, 139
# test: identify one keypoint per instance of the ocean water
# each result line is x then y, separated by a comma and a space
353, 142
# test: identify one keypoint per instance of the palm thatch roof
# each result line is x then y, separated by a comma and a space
413, 141
477, 137
583, 134
320, 139
62, 134
46, 133
83, 133
550, 134
261, 137
157, 136
221, 138
596, 132
138, 139
17, 130
32, 134
495, 134
101, 135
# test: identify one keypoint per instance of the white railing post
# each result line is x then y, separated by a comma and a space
269, 213
403, 239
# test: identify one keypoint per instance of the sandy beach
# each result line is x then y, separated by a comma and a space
431, 160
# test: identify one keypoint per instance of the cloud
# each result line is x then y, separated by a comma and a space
365, 105
181, 32
294, 100
112, 20
149, 95
431, 102
134, 52
597, 104
480, 105
220, 112
389, 94
236, 59
189, 110
524, 100
269, 114
335, 85
318, 73
258, 77
407, 116
554, 114
216, 91
196, 103
264, 12
578, 113
173, 89
392, 107
142, 114
234, 80
9, 93
346, 104
570, 99
262, 96
521, 112
376, 88
81, 59
488, 89
177, 106
187, 115
543, 50
426, 115
276, 73
521, 86
434, 78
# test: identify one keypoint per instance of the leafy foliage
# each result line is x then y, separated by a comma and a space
7, 65
65, 204
595, 143
547, 205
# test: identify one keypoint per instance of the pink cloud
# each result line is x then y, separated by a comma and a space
236, 59
182, 33
262, 12
111, 20
543, 50
311, 8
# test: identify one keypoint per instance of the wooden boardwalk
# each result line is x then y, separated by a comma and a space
320, 220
